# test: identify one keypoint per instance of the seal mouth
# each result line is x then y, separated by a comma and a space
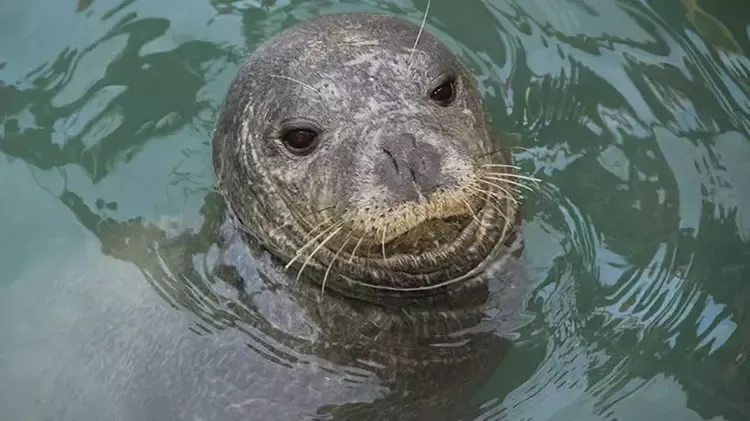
409, 229
430, 234
442, 235
442, 269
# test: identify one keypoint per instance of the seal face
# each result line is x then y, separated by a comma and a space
367, 163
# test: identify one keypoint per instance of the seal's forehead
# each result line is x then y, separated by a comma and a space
345, 63
355, 39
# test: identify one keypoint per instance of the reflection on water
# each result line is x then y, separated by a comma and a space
635, 114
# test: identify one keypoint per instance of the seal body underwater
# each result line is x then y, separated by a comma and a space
357, 150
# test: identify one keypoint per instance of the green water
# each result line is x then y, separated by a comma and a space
634, 114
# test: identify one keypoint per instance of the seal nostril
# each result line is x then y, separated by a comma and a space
413, 139
414, 169
393, 159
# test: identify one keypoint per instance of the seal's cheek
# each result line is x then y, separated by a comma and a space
410, 170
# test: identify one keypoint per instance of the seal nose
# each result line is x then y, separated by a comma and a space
410, 169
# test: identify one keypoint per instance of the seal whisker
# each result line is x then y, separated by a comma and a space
330, 265
508, 194
317, 227
515, 167
356, 246
419, 34
495, 203
489, 193
492, 177
291, 79
512, 175
493, 195
505, 180
322, 243
471, 211
307, 235
311, 242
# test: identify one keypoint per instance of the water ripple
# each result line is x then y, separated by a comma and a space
635, 115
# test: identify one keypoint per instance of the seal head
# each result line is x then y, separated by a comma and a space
364, 162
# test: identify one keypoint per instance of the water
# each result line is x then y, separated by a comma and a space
635, 115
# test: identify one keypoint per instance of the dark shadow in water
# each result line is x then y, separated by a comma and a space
178, 73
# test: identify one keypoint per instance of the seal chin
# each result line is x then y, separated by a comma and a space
434, 256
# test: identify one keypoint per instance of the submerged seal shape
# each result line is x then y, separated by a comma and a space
354, 153
357, 149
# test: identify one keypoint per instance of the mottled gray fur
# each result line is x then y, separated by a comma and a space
356, 79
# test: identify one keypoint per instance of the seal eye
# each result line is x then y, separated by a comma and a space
444, 94
300, 141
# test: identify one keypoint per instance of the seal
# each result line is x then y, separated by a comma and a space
345, 157
357, 149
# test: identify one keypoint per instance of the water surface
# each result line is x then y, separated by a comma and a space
634, 114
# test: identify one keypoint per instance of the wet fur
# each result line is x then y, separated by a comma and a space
312, 211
